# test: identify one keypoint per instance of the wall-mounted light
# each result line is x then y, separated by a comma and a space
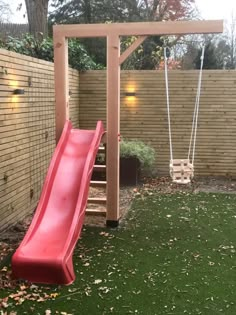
29, 81
18, 92
70, 93
130, 94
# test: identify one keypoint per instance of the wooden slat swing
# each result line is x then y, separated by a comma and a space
182, 170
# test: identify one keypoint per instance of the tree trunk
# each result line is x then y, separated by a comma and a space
37, 12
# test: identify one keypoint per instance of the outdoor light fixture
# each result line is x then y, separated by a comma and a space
130, 94
18, 91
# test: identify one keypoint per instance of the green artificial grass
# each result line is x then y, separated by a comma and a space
173, 254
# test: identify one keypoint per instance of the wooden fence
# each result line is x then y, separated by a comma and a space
13, 30
144, 116
27, 130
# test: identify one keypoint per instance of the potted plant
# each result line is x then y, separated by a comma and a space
135, 156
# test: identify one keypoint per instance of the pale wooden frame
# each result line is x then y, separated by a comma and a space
112, 32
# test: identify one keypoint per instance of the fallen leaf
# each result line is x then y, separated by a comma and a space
40, 299
86, 264
4, 304
97, 281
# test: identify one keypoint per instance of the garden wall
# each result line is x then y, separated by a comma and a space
27, 131
144, 116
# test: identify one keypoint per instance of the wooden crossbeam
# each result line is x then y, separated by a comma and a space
140, 28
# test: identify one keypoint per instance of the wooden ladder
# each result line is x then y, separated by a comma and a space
94, 202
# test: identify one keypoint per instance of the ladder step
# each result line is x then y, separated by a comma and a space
94, 183
99, 168
99, 201
180, 169
101, 149
96, 212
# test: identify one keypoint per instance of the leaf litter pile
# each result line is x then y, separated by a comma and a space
173, 254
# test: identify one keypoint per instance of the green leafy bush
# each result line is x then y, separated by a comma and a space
138, 149
43, 49
30, 46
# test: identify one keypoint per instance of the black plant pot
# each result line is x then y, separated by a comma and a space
129, 171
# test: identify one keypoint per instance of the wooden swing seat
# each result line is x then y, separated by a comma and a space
181, 171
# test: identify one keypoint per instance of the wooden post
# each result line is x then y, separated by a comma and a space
61, 81
113, 128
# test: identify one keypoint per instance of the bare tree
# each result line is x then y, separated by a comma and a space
37, 12
231, 35
5, 11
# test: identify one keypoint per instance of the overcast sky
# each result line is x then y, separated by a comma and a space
213, 9
209, 9
17, 16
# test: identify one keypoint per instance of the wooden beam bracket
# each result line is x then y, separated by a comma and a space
131, 48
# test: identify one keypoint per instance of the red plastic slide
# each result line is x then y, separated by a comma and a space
45, 254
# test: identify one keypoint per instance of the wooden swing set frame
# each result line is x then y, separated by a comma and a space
112, 32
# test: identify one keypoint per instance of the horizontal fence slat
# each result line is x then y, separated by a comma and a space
27, 130
145, 116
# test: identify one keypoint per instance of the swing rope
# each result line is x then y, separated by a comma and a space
192, 144
168, 102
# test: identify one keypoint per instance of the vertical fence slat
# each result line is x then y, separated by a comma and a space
13, 29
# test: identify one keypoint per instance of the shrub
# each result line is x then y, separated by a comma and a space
138, 149
43, 49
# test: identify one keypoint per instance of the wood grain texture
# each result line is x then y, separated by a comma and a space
27, 131
139, 28
144, 116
